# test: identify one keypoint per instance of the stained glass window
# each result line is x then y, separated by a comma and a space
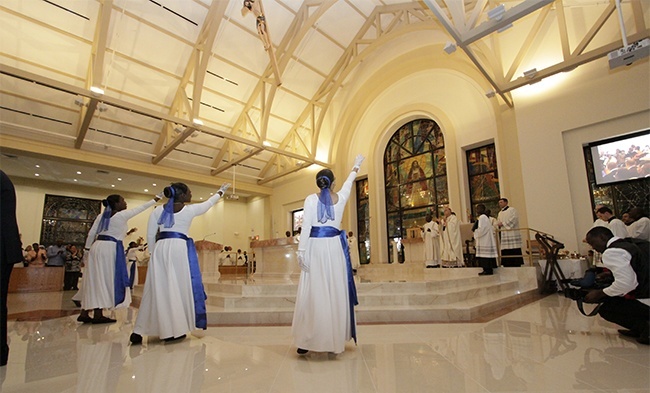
483, 178
415, 174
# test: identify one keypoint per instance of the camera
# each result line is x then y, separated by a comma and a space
594, 278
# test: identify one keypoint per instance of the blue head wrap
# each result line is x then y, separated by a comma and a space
325, 205
106, 218
167, 217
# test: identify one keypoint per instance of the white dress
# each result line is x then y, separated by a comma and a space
321, 319
167, 307
354, 252
99, 276
431, 234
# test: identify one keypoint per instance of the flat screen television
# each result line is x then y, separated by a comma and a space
622, 158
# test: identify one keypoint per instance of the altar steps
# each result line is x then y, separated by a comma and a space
443, 295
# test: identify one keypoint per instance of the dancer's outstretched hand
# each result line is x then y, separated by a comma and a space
223, 188
358, 161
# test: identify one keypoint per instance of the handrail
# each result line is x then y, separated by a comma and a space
528, 253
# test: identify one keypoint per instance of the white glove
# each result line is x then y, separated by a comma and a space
223, 188
358, 161
304, 266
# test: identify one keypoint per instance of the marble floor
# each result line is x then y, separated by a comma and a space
544, 346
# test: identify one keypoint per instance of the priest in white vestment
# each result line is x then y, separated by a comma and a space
430, 234
452, 245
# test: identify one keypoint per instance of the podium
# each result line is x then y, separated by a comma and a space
208, 253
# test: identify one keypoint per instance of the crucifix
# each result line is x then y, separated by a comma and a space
255, 6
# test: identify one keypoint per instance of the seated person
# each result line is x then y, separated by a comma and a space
626, 301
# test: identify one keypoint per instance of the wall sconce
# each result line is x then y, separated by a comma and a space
450, 47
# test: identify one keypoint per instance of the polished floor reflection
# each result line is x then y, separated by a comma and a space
545, 346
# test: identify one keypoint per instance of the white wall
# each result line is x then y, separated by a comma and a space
591, 103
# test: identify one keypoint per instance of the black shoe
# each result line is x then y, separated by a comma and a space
628, 333
302, 351
100, 320
77, 303
84, 319
172, 339
485, 273
135, 338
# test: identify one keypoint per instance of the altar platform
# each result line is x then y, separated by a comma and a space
395, 293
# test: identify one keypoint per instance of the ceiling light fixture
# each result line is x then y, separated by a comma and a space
266, 143
497, 12
78, 172
97, 91
102, 107
79, 101
178, 128
197, 122
490, 93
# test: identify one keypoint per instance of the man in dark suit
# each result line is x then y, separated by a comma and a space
10, 252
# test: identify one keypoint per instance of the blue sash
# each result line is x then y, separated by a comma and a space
121, 280
352, 290
198, 293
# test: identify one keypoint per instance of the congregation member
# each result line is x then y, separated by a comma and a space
639, 227
431, 234
106, 281
486, 247
323, 319
452, 244
132, 263
173, 302
73, 262
10, 253
56, 254
508, 221
615, 225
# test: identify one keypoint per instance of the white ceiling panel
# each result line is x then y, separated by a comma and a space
287, 105
45, 47
319, 52
140, 81
74, 16
277, 129
241, 48
148, 46
182, 18
341, 22
230, 80
302, 80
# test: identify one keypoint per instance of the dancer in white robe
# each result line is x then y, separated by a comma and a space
105, 253
452, 245
173, 302
323, 319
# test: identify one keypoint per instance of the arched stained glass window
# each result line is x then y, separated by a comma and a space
415, 174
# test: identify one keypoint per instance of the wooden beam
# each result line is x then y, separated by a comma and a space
87, 114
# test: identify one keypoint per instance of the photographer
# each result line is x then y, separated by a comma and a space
627, 261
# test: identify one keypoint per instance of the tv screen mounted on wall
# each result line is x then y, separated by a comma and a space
622, 158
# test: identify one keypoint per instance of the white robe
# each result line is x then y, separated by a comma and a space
510, 220
167, 307
99, 276
617, 227
640, 229
452, 244
430, 235
321, 319
484, 235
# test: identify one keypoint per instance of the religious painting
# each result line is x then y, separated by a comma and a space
442, 189
362, 189
439, 162
391, 175
484, 187
415, 175
481, 160
392, 198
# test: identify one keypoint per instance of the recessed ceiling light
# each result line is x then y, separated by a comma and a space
146, 190
78, 172
38, 166
74, 179
212, 193
36, 174
201, 198
119, 179
112, 185
154, 184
